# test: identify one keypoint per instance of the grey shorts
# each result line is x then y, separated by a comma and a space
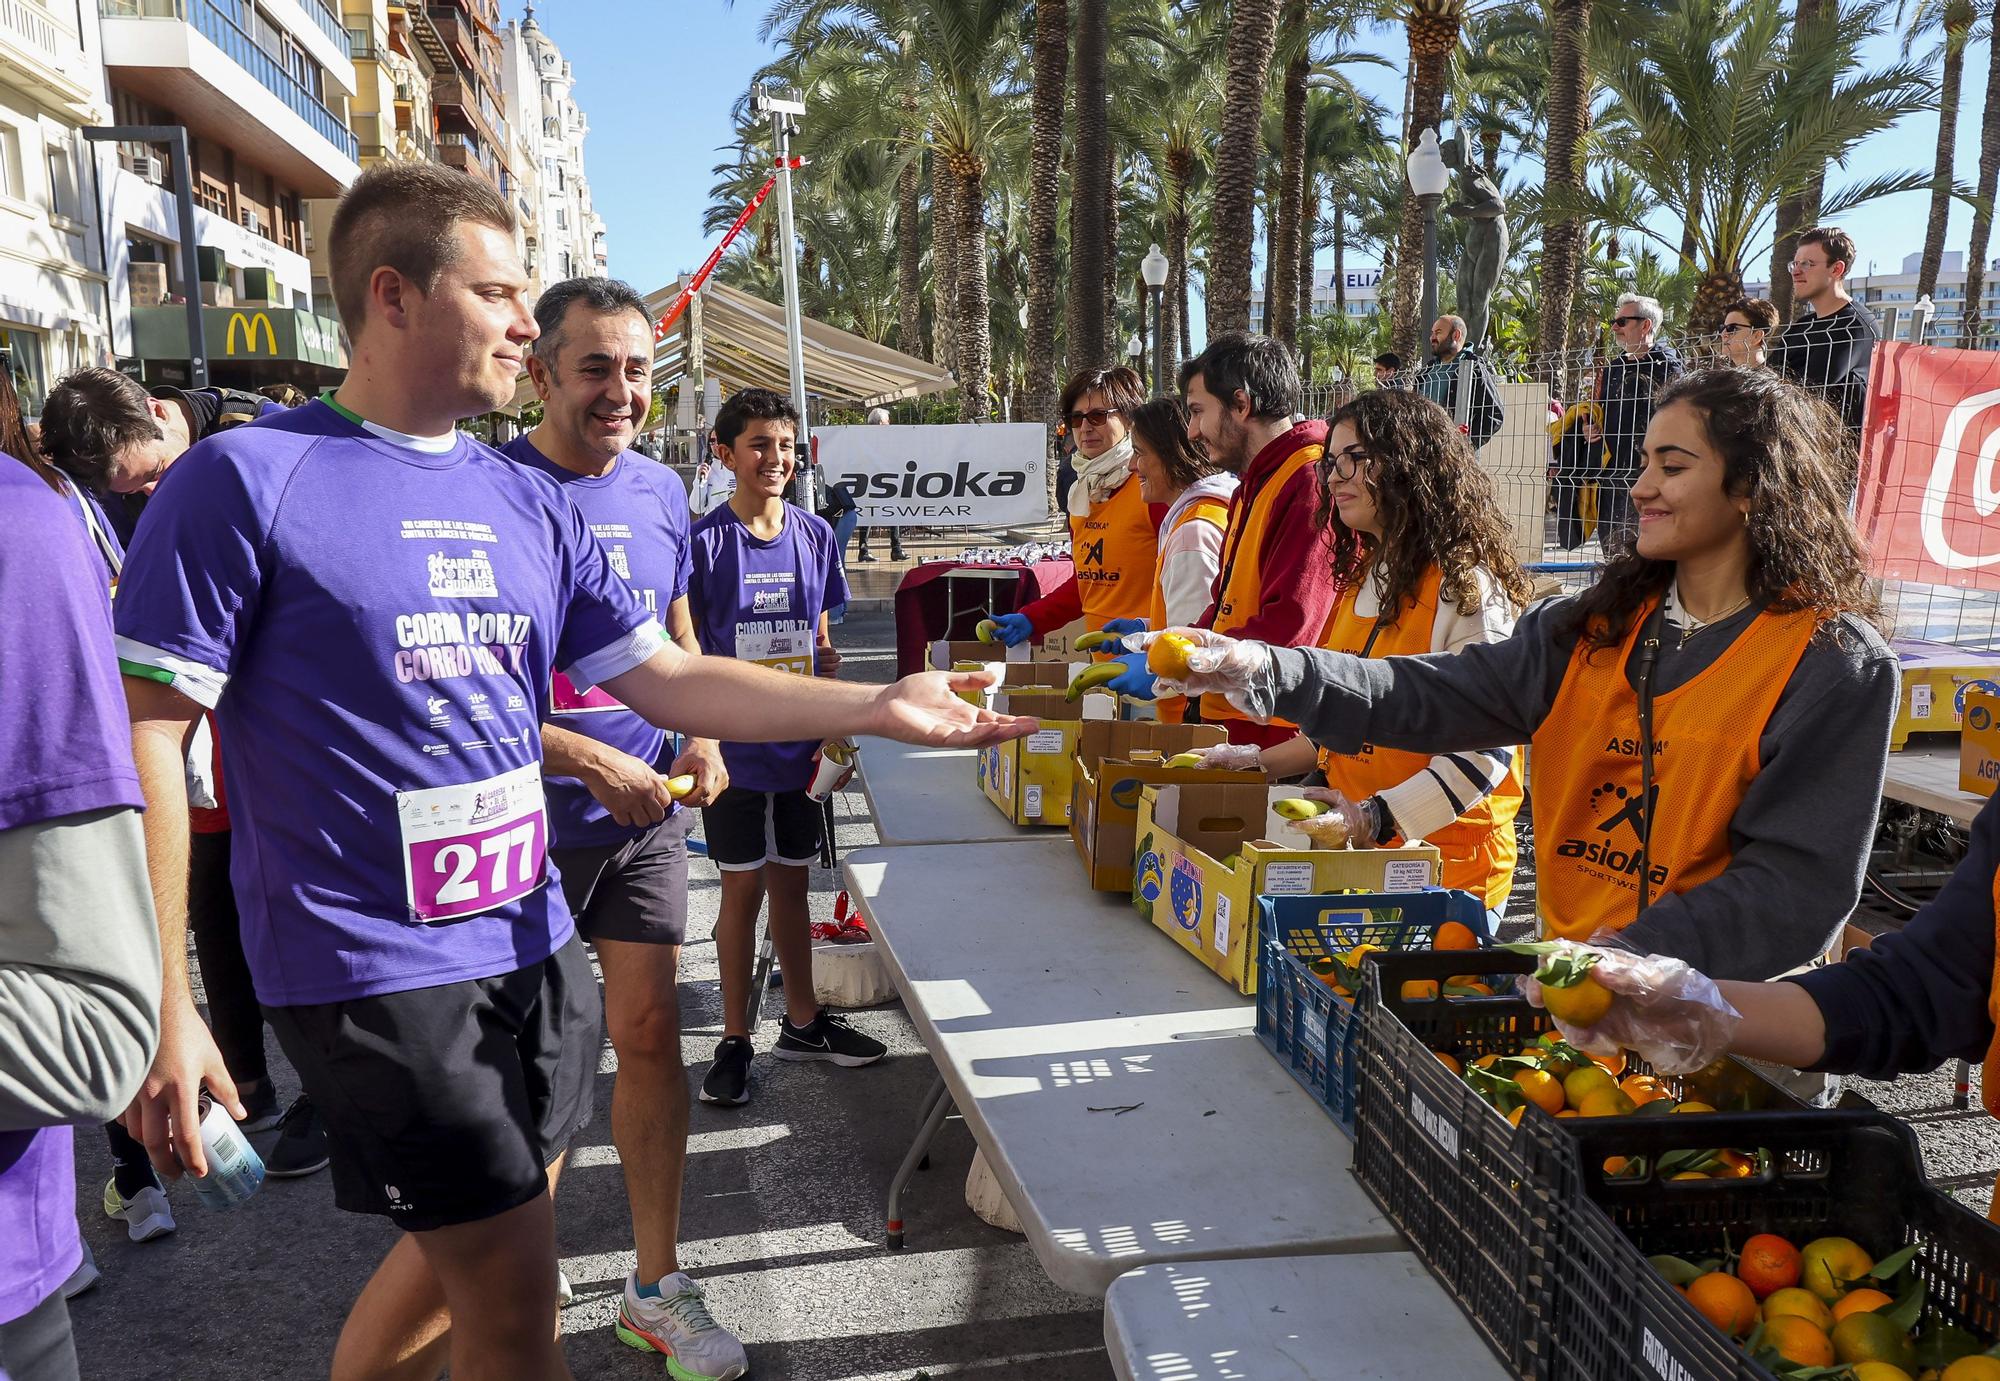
635, 891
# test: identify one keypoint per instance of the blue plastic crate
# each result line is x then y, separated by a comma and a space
1311, 1030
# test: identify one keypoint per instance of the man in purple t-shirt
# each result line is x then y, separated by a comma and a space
375, 606
619, 835
79, 955
765, 575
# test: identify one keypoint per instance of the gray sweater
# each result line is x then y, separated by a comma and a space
1799, 839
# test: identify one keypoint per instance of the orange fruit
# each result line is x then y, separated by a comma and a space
1767, 1264
1471, 984
1419, 989
1803, 1304
1569, 1112
1542, 1089
1798, 1341
1878, 1371
1643, 1088
1168, 656
1977, 1368
1582, 1003
1581, 1083
1860, 1302
1454, 935
1605, 1102
1514, 1117
1614, 1065
1830, 1264
1724, 1301
1691, 1175
1615, 1165
1693, 1105
1450, 1062
1872, 1338
1736, 1165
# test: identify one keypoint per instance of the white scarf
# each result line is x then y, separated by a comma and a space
1098, 479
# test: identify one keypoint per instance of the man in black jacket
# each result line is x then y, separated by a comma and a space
1827, 350
1625, 389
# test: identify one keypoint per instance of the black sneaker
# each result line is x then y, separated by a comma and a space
728, 1081
864, 556
301, 1145
262, 1109
827, 1038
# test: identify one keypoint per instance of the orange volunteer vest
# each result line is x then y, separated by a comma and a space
1242, 576
1172, 709
1115, 549
1479, 847
1585, 773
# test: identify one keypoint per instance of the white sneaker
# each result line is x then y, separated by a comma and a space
84, 1277
565, 1292
146, 1214
677, 1325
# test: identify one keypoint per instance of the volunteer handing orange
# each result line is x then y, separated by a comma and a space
1728, 826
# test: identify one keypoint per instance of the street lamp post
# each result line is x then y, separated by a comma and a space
1921, 312
1428, 178
176, 136
1153, 268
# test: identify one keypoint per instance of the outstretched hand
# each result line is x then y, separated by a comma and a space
925, 709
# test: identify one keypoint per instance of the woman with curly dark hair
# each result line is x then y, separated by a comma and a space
1708, 723
1423, 558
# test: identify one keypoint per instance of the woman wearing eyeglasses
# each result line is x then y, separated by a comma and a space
1113, 531
1708, 723
1423, 557
1745, 328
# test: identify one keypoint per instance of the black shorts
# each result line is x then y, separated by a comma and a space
445, 1105
747, 829
635, 891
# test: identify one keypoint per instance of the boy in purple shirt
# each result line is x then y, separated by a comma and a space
765, 575
620, 837
79, 955
375, 606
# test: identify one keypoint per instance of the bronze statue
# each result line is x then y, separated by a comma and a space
1484, 210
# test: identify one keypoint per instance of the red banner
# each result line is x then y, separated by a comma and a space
1929, 486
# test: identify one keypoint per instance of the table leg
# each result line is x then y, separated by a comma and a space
760, 976
937, 1104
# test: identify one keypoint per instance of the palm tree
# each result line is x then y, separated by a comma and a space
1954, 19
1798, 209
1719, 86
1502, 85
1183, 102
1562, 225
1090, 183
1051, 59
1433, 27
1253, 33
1982, 207
1281, 310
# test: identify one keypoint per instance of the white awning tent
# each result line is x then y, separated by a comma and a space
743, 345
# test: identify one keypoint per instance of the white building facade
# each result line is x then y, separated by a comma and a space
564, 237
1361, 294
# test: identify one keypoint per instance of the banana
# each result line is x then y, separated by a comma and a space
987, 631
678, 787
1091, 677
1298, 808
1184, 760
1085, 642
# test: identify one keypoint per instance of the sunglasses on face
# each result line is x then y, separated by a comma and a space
1733, 327
1625, 320
1096, 417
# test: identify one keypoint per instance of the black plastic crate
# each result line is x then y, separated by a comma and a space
1309, 1029
1479, 1198
1848, 1173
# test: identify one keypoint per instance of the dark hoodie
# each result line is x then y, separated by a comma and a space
1626, 389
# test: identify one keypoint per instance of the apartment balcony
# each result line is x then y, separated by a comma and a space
465, 153
462, 108
40, 51
189, 56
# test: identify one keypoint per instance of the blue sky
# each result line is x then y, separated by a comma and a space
658, 93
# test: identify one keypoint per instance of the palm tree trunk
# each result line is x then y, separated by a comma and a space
944, 265
1982, 215
1798, 211
1111, 280
1308, 228
1253, 33
909, 238
1089, 191
1045, 137
1562, 238
1281, 313
1489, 152
1272, 172
975, 327
1952, 79
1173, 306
1429, 59
1340, 256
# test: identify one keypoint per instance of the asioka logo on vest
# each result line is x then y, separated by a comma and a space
1621, 830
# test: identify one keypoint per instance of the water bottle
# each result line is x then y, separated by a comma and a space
235, 1170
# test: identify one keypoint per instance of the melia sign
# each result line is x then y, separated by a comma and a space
988, 474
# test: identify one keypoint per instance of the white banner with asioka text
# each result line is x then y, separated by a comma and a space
984, 474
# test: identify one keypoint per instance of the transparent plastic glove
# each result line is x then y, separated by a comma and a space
1346, 824
1121, 627
1236, 757
1671, 1015
1226, 666
1013, 629
1135, 680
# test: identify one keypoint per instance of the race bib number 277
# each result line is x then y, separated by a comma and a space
468, 849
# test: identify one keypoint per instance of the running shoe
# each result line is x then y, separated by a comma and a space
84, 1277
565, 1292
677, 1325
146, 1214
828, 1038
301, 1145
728, 1080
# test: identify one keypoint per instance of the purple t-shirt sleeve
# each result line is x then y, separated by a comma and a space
682, 516
605, 630
65, 745
836, 577
193, 579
